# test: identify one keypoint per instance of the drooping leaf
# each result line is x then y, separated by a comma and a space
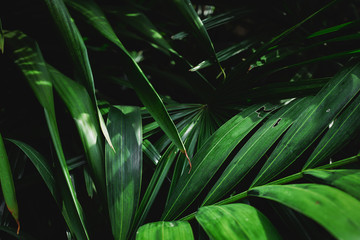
210, 157
336, 211
123, 167
27, 56
255, 148
347, 180
7, 184
84, 114
139, 81
194, 23
312, 122
165, 231
235, 221
341, 130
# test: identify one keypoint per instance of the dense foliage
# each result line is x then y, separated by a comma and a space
180, 120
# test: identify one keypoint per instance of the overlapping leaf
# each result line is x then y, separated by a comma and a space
312, 122
7, 184
210, 157
336, 211
235, 221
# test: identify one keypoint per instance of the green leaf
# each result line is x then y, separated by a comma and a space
336, 211
344, 179
84, 114
7, 184
210, 157
235, 221
28, 57
197, 29
123, 167
42, 166
165, 231
331, 29
139, 81
312, 122
254, 149
341, 130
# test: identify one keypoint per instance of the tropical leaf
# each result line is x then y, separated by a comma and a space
344, 179
255, 148
84, 114
139, 81
165, 231
210, 157
312, 122
123, 167
28, 57
235, 221
7, 184
341, 130
313, 200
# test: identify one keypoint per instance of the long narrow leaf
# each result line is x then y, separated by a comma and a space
7, 184
235, 221
123, 167
209, 159
165, 231
255, 148
341, 131
336, 211
139, 81
312, 122
84, 114
28, 57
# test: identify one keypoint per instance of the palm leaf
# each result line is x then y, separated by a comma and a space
165, 231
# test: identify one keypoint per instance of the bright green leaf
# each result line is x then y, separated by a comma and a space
165, 231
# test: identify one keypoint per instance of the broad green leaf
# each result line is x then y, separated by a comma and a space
341, 130
235, 221
84, 114
27, 56
123, 167
197, 29
139, 81
336, 211
210, 157
255, 148
165, 231
312, 122
7, 184
347, 180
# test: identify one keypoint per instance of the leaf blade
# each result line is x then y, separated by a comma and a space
165, 230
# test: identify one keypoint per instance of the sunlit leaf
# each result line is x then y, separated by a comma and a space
336, 211
235, 221
165, 231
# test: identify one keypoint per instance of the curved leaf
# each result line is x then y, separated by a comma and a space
84, 114
165, 231
28, 57
235, 221
7, 184
341, 130
336, 211
344, 179
123, 167
312, 122
139, 81
209, 159
254, 149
